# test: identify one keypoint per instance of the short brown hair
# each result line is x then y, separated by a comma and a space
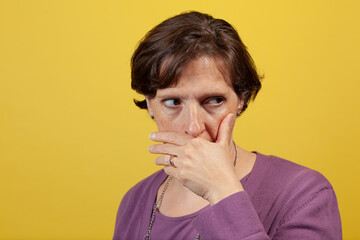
165, 50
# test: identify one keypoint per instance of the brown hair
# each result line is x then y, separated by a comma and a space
164, 51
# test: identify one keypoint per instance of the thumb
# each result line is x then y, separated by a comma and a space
225, 129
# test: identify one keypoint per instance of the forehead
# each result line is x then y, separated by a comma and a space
203, 74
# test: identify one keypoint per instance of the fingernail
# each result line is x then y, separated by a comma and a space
152, 136
150, 148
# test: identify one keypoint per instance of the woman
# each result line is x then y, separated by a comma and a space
197, 77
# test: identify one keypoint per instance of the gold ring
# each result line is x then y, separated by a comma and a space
171, 161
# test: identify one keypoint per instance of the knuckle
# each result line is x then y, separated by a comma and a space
161, 160
186, 165
187, 151
160, 147
196, 141
181, 175
171, 138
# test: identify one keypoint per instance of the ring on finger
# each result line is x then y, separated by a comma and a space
171, 161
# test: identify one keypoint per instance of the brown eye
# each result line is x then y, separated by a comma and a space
215, 101
172, 102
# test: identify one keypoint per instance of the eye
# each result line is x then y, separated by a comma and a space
173, 102
215, 101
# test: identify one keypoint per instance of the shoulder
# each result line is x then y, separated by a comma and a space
280, 187
280, 174
275, 183
292, 196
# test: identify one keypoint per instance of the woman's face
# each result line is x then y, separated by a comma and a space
197, 104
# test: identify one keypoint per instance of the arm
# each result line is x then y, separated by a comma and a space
232, 218
316, 218
235, 218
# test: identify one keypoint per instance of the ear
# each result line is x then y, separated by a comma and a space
148, 104
240, 107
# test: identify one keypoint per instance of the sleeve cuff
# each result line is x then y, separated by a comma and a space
232, 218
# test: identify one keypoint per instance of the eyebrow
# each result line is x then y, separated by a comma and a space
201, 96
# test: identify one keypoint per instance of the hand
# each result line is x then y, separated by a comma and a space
204, 167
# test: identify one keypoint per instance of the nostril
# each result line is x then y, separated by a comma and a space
195, 129
194, 121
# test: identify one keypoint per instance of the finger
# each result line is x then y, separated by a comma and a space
172, 161
162, 160
167, 149
166, 160
170, 137
225, 129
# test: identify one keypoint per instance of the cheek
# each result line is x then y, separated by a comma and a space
168, 124
212, 127
215, 120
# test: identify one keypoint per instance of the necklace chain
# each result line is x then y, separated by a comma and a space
158, 202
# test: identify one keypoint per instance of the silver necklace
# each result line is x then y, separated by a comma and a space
158, 203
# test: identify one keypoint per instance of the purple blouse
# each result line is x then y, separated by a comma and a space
282, 200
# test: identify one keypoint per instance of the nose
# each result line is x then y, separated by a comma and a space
195, 124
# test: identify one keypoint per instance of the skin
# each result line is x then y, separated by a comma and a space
195, 120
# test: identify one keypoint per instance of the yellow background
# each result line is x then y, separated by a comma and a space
72, 142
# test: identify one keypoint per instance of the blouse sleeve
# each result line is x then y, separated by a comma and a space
317, 218
232, 218
235, 218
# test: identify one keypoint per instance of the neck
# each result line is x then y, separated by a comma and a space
246, 162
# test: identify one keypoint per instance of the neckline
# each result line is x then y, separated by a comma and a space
243, 181
181, 218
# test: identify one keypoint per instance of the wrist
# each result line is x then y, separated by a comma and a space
224, 192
